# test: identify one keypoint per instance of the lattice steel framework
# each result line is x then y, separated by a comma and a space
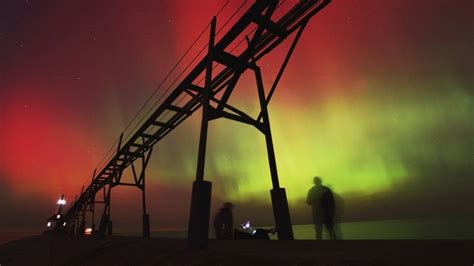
213, 98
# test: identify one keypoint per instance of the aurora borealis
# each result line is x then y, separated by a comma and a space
377, 100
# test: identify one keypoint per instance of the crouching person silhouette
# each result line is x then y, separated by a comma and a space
223, 222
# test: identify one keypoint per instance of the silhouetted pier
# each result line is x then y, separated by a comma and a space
209, 84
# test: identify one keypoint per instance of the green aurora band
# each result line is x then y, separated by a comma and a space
361, 143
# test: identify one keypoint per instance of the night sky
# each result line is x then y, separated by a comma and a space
378, 100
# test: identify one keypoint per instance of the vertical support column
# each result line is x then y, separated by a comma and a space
72, 228
141, 183
73, 220
281, 211
81, 228
198, 229
105, 227
93, 205
93, 215
146, 217
117, 175
105, 219
146, 225
82, 225
109, 227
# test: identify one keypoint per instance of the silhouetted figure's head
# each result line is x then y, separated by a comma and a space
228, 206
317, 181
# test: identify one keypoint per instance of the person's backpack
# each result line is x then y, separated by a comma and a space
327, 200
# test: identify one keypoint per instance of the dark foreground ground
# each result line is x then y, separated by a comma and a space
59, 250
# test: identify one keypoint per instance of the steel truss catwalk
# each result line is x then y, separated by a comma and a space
213, 97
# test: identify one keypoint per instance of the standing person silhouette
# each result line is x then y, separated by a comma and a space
223, 222
323, 206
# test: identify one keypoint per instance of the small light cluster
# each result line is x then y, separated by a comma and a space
88, 231
248, 228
